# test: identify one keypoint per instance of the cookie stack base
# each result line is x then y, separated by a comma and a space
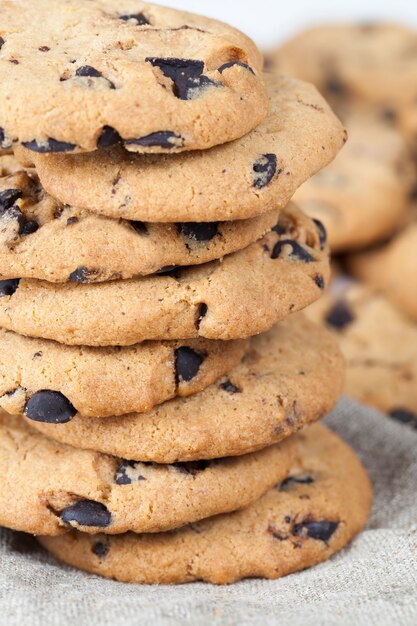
314, 513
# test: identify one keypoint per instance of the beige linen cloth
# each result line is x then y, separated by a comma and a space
372, 582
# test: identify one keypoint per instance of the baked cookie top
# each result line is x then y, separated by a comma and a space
290, 377
42, 238
283, 272
48, 488
77, 76
237, 180
318, 509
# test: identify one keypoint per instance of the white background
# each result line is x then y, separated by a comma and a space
271, 21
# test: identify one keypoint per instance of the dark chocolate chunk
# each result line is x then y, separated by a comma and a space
186, 74
86, 513
29, 227
321, 530
109, 137
296, 252
340, 315
8, 197
280, 230
140, 227
160, 139
319, 280
405, 416
49, 145
225, 66
192, 467
301, 479
322, 233
100, 549
88, 70
51, 407
83, 275
201, 313
264, 170
8, 287
140, 18
72, 220
198, 231
335, 86
229, 387
122, 477
187, 363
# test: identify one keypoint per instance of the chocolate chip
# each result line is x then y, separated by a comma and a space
72, 220
192, 467
280, 230
8, 197
160, 139
292, 250
90, 72
264, 170
340, 315
198, 231
139, 18
100, 549
2, 42
5, 142
229, 387
37, 355
109, 137
127, 472
83, 275
186, 74
44, 49
87, 513
51, 407
140, 227
187, 363
8, 287
319, 280
49, 145
201, 313
225, 66
321, 530
322, 233
301, 479
404, 416
29, 227
335, 86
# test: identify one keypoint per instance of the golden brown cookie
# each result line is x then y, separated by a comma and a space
305, 519
291, 376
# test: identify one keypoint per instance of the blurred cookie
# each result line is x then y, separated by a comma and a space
363, 195
379, 345
391, 267
290, 377
78, 76
283, 272
305, 519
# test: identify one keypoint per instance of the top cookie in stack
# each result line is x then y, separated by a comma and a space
132, 284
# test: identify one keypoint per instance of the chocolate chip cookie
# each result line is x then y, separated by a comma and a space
78, 76
48, 488
305, 519
237, 180
291, 376
283, 272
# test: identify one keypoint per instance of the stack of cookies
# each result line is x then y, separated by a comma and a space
367, 201
152, 378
